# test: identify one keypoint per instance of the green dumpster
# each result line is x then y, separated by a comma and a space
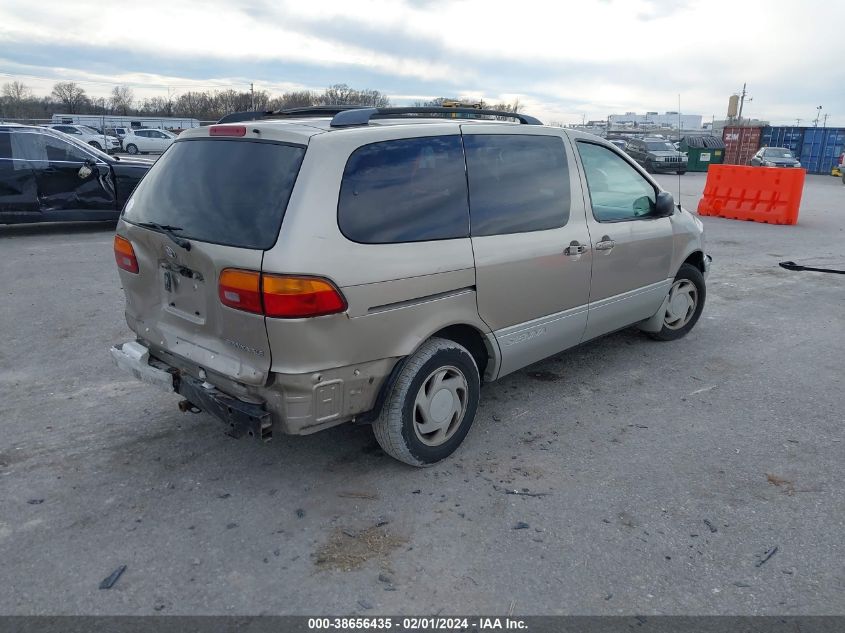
703, 151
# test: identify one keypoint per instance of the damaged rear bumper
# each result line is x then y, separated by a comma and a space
241, 418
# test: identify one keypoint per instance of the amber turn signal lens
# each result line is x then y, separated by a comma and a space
240, 289
124, 254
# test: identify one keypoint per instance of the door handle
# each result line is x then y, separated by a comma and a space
606, 244
575, 248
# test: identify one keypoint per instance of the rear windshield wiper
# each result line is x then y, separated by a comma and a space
168, 230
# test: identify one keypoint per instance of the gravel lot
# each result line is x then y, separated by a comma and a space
667, 470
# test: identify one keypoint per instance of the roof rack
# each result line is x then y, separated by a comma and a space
362, 116
255, 115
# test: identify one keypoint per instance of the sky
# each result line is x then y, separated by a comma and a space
565, 61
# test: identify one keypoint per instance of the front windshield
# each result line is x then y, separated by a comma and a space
778, 152
87, 129
98, 154
660, 146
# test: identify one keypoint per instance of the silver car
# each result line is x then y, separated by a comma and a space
293, 271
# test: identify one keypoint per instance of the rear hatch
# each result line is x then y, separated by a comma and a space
208, 204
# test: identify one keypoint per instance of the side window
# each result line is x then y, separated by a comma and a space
5, 149
517, 183
407, 190
618, 192
45, 147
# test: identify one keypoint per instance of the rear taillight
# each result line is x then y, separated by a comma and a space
227, 130
279, 296
124, 254
240, 289
292, 297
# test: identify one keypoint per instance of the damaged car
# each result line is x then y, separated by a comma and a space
48, 176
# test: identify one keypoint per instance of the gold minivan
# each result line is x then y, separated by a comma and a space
290, 271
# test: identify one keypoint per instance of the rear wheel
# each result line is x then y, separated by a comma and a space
132, 149
684, 304
431, 406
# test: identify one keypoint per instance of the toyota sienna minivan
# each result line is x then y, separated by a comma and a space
290, 271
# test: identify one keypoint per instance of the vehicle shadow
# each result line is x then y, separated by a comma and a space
56, 228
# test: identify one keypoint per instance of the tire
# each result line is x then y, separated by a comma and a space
132, 149
678, 320
95, 145
408, 406
681, 173
647, 166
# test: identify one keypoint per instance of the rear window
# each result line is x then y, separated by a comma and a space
221, 191
407, 190
517, 183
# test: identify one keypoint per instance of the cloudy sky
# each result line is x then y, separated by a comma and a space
564, 60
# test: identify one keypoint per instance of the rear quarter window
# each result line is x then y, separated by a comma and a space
406, 190
517, 183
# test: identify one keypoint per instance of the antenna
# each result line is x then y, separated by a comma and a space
679, 149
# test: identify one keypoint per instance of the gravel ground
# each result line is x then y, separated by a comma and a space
665, 472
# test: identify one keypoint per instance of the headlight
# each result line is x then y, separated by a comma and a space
768, 163
797, 163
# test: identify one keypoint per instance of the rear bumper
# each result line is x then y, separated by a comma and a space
293, 404
241, 418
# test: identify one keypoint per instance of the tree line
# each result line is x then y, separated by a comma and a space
18, 101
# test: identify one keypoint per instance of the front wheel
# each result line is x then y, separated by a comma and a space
132, 149
431, 406
95, 145
683, 305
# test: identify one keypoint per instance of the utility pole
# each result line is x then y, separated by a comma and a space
818, 114
252, 95
742, 102
824, 124
797, 122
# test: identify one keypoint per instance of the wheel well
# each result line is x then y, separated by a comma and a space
696, 259
470, 338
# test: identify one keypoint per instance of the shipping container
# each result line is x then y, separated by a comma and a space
821, 148
791, 138
741, 143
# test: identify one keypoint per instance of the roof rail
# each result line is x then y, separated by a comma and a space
362, 116
322, 110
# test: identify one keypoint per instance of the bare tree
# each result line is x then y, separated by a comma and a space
296, 99
16, 97
71, 95
341, 94
121, 99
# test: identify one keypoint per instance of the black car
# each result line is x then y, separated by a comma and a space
657, 155
49, 176
774, 157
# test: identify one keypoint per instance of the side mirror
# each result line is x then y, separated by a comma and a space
664, 206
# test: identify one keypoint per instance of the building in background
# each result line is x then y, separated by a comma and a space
656, 120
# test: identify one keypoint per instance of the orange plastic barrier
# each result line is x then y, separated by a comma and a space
759, 194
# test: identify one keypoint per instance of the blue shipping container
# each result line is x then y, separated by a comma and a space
821, 148
790, 137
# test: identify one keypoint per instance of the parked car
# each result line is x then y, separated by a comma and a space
774, 157
842, 167
46, 175
288, 275
618, 142
146, 141
118, 132
88, 135
657, 155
